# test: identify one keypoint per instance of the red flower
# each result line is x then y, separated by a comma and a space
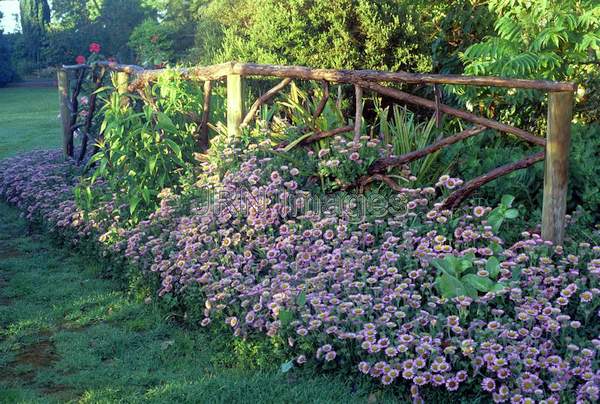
95, 47
80, 59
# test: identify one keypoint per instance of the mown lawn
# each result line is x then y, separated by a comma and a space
70, 334
28, 120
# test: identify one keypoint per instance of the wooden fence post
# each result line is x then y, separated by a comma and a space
556, 170
65, 111
122, 84
235, 104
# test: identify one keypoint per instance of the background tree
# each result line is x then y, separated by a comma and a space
35, 17
6, 69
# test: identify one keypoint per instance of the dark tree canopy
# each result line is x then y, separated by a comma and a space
35, 17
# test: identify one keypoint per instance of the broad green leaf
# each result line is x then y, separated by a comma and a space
133, 203
285, 316
480, 283
444, 266
493, 267
464, 264
164, 122
507, 200
301, 299
450, 286
175, 147
511, 214
498, 287
516, 274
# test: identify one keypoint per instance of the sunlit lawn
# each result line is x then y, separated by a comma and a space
28, 119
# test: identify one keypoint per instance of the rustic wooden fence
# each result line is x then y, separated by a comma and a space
555, 147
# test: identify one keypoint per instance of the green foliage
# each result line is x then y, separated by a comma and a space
7, 72
459, 277
555, 40
146, 150
503, 212
405, 134
465, 23
153, 42
584, 170
35, 16
388, 34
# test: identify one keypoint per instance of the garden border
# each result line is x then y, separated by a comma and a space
556, 145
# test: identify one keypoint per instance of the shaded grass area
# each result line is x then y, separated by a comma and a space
28, 120
69, 334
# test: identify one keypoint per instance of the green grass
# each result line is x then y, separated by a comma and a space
28, 120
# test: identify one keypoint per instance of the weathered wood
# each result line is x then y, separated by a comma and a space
74, 111
355, 76
315, 137
65, 113
199, 73
358, 107
97, 78
329, 133
438, 99
122, 82
216, 72
322, 102
263, 99
383, 164
380, 177
456, 198
203, 141
235, 104
556, 170
467, 116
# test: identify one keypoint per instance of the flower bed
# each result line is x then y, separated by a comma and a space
375, 295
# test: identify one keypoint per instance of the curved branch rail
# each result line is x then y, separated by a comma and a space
467, 189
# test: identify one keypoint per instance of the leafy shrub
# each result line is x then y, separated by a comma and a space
152, 43
388, 34
538, 40
584, 172
7, 72
144, 152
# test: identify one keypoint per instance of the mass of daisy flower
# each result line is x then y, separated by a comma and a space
364, 295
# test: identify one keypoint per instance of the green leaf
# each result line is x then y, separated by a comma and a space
301, 299
164, 122
493, 267
450, 286
507, 200
480, 283
498, 287
175, 147
297, 141
152, 163
511, 214
133, 203
464, 264
445, 265
516, 274
285, 316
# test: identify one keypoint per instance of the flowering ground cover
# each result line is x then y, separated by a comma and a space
414, 298
69, 333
